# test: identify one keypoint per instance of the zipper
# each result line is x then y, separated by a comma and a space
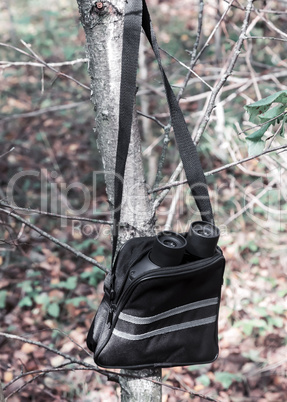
112, 293
168, 271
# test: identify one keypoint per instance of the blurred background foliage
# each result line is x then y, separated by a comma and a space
49, 120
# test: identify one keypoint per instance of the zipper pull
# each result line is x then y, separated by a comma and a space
110, 316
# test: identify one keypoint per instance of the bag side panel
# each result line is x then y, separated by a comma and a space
96, 334
132, 250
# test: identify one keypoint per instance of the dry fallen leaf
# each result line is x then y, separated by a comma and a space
8, 376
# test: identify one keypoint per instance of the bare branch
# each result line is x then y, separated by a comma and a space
2, 399
172, 210
54, 240
211, 172
48, 348
34, 56
250, 203
5, 64
213, 31
86, 366
266, 37
69, 217
195, 47
172, 180
151, 118
272, 26
227, 72
187, 78
44, 110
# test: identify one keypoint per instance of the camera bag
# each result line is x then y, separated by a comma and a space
167, 316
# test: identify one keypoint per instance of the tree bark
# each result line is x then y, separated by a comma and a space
2, 398
104, 32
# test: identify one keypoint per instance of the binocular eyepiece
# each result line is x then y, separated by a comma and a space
169, 247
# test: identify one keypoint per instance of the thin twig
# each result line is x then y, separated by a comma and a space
211, 172
5, 64
188, 68
59, 73
266, 11
194, 48
8, 152
48, 348
87, 366
213, 32
172, 209
54, 240
172, 180
151, 118
249, 47
187, 78
262, 124
166, 141
147, 152
56, 108
250, 203
226, 74
266, 37
179, 167
69, 217
34, 56
271, 25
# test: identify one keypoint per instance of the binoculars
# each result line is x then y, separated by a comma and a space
170, 248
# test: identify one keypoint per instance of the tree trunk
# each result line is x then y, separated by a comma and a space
103, 27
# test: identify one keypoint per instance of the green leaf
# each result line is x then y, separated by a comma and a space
279, 97
261, 311
254, 260
282, 292
42, 298
25, 302
282, 130
226, 378
272, 114
278, 308
259, 107
276, 321
204, 380
252, 246
3, 294
70, 283
255, 148
248, 325
75, 301
253, 355
93, 277
85, 244
258, 134
54, 310
26, 286
197, 367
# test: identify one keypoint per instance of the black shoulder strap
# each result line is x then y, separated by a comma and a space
137, 15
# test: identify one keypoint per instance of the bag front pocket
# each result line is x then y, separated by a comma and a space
167, 321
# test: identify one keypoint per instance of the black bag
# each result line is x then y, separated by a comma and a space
153, 314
